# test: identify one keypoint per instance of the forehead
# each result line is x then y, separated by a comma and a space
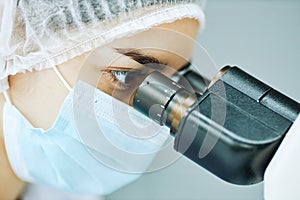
170, 42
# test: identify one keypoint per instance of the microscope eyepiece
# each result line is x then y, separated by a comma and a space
162, 99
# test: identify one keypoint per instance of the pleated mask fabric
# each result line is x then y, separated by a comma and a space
62, 157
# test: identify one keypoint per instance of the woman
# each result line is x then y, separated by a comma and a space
44, 46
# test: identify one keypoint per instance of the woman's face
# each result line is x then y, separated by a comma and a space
105, 68
115, 68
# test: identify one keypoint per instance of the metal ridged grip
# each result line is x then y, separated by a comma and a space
153, 96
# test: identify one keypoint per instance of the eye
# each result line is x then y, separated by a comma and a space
124, 78
120, 75
128, 77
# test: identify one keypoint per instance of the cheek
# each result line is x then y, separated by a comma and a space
105, 85
124, 95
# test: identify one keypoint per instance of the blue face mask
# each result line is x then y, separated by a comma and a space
79, 161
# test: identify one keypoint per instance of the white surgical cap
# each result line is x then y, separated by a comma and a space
38, 34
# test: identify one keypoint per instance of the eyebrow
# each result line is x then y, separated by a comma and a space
139, 57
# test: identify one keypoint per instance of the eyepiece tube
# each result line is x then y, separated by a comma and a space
196, 82
162, 99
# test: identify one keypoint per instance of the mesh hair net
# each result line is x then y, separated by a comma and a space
38, 34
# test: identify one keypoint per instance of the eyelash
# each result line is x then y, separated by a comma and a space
118, 75
112, 75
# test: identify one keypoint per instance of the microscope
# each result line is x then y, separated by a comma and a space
232, 126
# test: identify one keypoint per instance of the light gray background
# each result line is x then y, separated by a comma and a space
263, 38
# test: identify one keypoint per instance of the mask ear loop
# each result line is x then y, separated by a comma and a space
66, 84
7, 98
